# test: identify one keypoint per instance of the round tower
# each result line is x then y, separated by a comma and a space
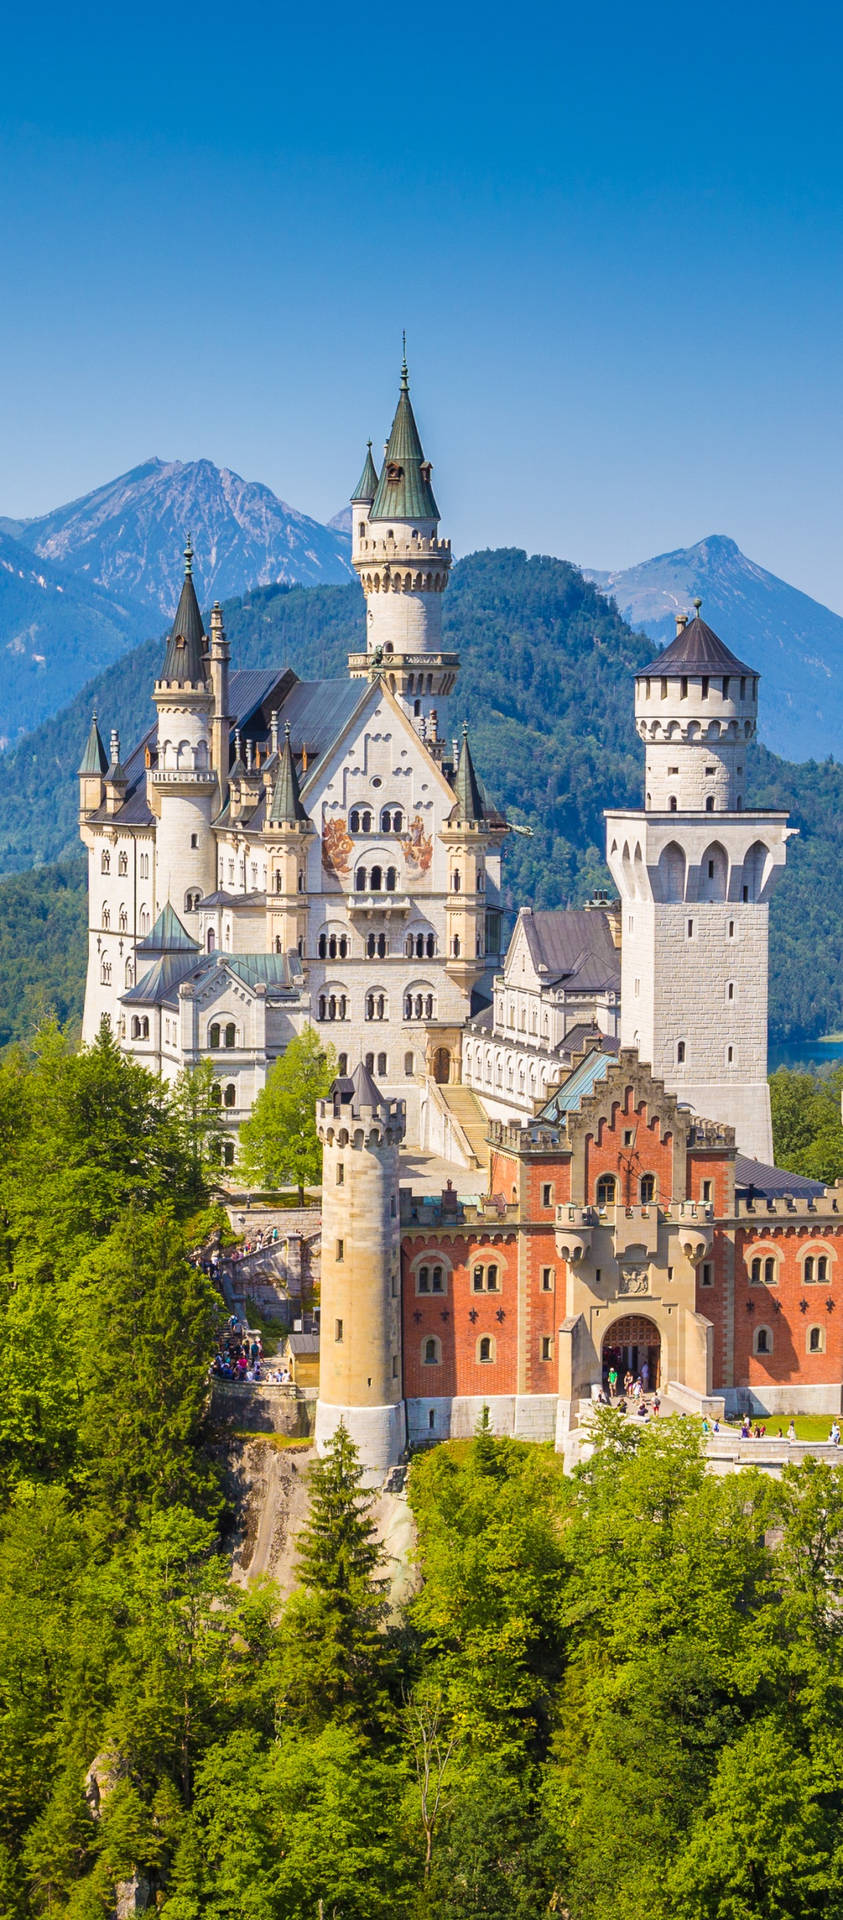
183, 785
360, 1342
403, 568
696, 708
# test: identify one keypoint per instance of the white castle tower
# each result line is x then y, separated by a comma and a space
360, 1346
184, 789
695, 872
403, 569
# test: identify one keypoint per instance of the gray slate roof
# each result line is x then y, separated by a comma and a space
773, 1182
572, 945
696, 650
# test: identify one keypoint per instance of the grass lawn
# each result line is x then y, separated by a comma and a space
809, 1426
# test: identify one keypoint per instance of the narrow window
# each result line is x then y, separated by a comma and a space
477, 1280
547, 1347
680, 1053
547, 1195
822, 1267
340, 1174
707, 1190
430, 1353
492, 1279
770, 1271
431, 1418
340, 1249
424, 1280
762, 1341
437, 1280
815, 1340
547, 1279
485, 1349
647, 1188
605, 1190
337, 1329
755, 1273
707, 1274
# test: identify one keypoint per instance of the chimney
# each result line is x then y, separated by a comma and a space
681, 623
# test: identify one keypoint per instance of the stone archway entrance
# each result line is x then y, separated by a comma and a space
633, 1343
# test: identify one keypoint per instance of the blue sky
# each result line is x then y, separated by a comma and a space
613, 238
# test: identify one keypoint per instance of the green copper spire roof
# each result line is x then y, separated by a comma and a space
404, 491
367, 484
286, 807
185, 658
469, 805
168, 935
94, 758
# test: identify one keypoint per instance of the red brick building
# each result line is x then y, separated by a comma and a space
619, 1227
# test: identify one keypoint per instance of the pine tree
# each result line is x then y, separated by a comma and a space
335, 1655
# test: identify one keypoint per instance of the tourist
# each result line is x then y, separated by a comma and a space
716, 1427
705, 1426
656, 1402
834, 1435
642, 1409
613, 1380
791, 1432
645, 1374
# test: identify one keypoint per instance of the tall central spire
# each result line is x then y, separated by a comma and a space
404, 489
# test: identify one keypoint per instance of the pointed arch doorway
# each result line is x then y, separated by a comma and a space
630, 1344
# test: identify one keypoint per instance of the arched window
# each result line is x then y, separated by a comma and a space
455, 881
130, 974
123, 863
216, 1094
409, 1065
671, 805
106, 917
431, 1351
105, 861
360, 880
230, 1034
105, 973
755, 1273
822, 1267
763, 1340
485, 1349
228, 1153
214, 1035
192, 899
376, 1006
122, 920
391, 879
230, 1095
770, 1271
382, 1063
606, 1188
816, 1340
354, 820
342, 1065
279, 882
211, 940
423, 1280
322, 946
808, 1270
680, 1053
430, 946
647, 1188
375, 879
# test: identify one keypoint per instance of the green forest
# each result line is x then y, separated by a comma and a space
546, 684
610, 1694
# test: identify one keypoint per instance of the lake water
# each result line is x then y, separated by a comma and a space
803, 1053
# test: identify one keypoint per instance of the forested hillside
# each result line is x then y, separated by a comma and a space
610, 1695
546, 685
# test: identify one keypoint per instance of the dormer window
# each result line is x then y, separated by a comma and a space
426, 471
394, 473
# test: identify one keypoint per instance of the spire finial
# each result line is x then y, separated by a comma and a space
405, 382
698, 604
188, 558
287, 731
465, 729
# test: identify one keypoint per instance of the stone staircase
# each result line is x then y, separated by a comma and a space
467, 1111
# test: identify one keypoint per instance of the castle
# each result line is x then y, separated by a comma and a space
277, 853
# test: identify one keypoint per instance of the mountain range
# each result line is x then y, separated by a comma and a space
796, 643
546, 684
80, 585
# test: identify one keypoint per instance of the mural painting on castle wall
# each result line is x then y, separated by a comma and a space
417, 846
337, 847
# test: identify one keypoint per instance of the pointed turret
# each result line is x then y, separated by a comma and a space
184, 662
285, 808
92, 771
94, 758
404, 491
367, 484
167, 936
469, 805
